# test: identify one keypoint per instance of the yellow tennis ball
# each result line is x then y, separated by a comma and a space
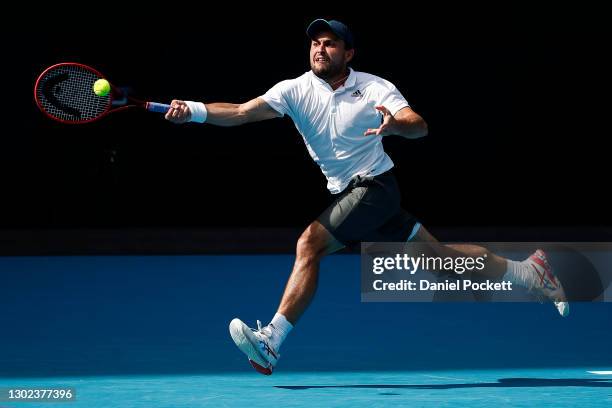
101, 87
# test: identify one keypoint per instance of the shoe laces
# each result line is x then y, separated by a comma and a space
266, 343
263, 330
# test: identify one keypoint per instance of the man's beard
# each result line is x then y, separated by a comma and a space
332, 71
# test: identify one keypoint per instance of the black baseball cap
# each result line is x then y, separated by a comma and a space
336, 27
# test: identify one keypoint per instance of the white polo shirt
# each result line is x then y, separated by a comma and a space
332, 123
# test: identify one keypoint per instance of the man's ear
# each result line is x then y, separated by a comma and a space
349, 55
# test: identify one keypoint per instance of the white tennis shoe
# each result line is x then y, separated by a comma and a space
255, 344
545, 283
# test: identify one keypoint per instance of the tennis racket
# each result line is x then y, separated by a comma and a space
64, 92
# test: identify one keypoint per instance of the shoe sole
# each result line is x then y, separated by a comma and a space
241, 334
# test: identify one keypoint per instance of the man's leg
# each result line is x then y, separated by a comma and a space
533, 273
314, 243
496, 265
261, 346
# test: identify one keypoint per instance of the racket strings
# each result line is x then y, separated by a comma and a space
66, 93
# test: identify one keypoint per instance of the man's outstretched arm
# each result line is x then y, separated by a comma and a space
406, 123
223, 114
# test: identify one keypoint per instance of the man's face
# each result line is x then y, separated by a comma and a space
328, 55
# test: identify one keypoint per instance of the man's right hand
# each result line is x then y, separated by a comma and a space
179, 112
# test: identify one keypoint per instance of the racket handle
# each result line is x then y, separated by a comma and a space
157, 107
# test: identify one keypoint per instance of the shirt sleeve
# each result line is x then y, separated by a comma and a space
391, 98
279, 97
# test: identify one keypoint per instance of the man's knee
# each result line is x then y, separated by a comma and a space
312, 243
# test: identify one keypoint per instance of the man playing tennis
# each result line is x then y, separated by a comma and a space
342, 115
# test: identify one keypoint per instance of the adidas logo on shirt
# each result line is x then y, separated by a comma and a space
357, 94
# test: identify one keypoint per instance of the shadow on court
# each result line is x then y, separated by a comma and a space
501, 383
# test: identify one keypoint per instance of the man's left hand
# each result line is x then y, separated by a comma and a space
386, 127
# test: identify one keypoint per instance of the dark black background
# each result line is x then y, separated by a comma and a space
516, 109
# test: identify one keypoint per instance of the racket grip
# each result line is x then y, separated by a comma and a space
157, 107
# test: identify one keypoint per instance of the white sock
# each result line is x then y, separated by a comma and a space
519, 273
280, 327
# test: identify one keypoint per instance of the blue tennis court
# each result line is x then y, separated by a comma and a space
151, 331
475, 388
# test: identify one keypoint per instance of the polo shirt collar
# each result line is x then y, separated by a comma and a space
349, 83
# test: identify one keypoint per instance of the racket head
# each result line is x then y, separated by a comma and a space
64, 92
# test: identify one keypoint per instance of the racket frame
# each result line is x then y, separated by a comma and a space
136, 103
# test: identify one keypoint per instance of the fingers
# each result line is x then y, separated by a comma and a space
178, 112
381, 131
387, 120
171, 114
383, 110
371, 132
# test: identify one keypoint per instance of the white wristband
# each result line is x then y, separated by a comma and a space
198, 111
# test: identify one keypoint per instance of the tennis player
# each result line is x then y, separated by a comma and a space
342, 115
